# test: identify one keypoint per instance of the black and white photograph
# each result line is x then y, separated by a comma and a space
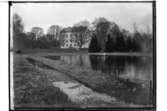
82, 55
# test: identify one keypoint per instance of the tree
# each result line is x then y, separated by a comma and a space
115, 35
120, 43
94, 46
17, 25
54, 32
135, 28
38, 32
102, 26
109, 46
126, 37
31, 39
129, 44
19, 37
81, 34
84, 23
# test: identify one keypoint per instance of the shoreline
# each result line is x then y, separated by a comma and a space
82, 52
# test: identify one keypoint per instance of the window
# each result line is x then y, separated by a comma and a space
66, 36
66, 45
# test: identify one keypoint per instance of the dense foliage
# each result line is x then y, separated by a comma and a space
33, 39
110, 38
94, 46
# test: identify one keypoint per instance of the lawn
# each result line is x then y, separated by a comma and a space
32, 89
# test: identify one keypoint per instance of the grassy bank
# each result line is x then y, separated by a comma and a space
32, 89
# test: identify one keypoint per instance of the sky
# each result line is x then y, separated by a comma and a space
66, 14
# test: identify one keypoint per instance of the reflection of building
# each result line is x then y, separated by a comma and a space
78, 60
68, 40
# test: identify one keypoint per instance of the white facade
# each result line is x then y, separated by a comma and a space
86, 45
69, 41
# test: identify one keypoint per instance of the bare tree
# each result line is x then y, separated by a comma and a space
135, 27
38, 32
54, 32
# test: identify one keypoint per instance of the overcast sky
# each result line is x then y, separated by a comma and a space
66, 14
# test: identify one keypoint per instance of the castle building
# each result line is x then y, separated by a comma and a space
68, 39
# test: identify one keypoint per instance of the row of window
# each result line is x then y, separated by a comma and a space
70, 35
71, 40
70, 45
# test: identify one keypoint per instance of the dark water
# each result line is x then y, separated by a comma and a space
133, 71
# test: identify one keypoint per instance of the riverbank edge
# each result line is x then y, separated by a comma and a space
81, 51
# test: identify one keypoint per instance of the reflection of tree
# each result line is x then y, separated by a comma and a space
128, 91
81, 60
94, 61
108, 64
115, 65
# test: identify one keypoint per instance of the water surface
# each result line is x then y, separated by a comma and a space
136, 72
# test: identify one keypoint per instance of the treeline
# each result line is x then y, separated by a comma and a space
54, 37
26, 41
114, 39
34, 39
138, 42
104, 36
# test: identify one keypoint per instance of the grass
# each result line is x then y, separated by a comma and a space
32, 88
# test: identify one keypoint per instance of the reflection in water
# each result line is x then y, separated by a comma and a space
134, 72
131, 67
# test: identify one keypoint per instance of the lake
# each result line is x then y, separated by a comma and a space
133, 71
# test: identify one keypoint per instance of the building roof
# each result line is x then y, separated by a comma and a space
68, 29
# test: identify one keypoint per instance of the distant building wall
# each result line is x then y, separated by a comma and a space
69, 41
86, 45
